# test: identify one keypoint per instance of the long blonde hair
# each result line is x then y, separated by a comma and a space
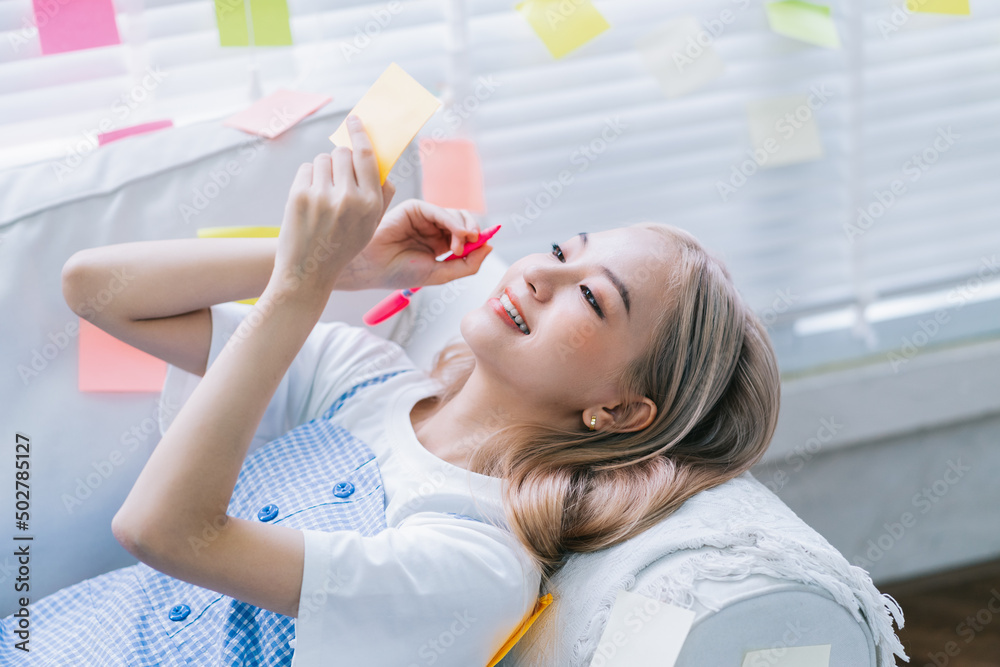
712, 373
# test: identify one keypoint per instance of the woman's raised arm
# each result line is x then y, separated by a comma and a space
154, 295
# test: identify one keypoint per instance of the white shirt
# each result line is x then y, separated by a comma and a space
431, 589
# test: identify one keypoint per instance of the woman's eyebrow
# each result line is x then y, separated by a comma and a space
615, 280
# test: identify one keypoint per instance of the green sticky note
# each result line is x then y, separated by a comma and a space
939, 6
271, 26
563, 25
803, 21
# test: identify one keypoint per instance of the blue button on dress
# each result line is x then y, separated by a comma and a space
317, 476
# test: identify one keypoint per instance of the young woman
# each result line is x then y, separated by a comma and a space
396, 517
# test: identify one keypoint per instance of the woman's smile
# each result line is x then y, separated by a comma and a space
498, 307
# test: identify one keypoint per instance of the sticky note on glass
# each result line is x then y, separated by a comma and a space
939, 6
72, 26
108, 364
452, 174
790, 656
238, 233
144, 128
783, 130
393, 111
642, 631
804, 21
563, 25
678, 67
268, 18
272, 115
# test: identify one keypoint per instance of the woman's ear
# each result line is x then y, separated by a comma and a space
642, 412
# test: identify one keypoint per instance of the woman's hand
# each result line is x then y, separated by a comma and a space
402, 250
333, 208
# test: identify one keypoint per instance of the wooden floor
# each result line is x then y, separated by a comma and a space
958, 611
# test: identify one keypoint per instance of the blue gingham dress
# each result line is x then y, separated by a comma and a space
317, 476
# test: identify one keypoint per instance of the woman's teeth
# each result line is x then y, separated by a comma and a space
514, 315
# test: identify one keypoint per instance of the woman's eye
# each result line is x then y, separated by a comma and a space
587, 294
557, 251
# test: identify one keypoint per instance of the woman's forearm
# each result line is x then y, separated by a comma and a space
152, 279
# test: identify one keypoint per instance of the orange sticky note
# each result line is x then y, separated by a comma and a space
237, 233
108, 364
939, 6
561, 25
452, 174
270, 116
540, 606
393, 111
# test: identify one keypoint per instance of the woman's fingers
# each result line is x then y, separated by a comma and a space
445, 272
459, 228
365, 163
343, 168
303, 177
388, 192
322, 172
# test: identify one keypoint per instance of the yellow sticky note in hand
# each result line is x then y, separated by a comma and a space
393, 111
804, 21
563, 25
939, 6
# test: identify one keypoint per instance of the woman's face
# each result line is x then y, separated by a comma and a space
589, 306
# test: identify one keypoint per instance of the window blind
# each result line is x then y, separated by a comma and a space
908, 101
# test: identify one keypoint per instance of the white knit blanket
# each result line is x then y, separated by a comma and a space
753, 532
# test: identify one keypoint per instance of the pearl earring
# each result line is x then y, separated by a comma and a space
593, 422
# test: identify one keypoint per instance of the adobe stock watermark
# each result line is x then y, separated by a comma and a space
786, 127
60, 339
969, 629
432, 650
454, 116
924, 501
582, 158
928, 328
380, 19
899, 17
914, 167
104, 468
119, 112
222, 175
697, 45
796, 459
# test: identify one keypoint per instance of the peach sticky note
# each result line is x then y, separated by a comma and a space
272, 115
784, 129
804, 21
393, 111
939, 6
790, 656
108, 364
642, 631
679, 69
75, 25
236, 233
115, 135
452, 175
540, 605
563, 26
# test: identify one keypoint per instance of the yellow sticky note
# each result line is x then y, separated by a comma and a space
236, 233
540, 606
393, 111
804, 21
939, 6
790, 656
563, 25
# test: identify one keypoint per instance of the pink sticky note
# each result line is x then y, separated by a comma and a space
272, 115
115, 135
107, 364
452, 174
71, 25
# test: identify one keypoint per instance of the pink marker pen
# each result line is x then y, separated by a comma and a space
400, 299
